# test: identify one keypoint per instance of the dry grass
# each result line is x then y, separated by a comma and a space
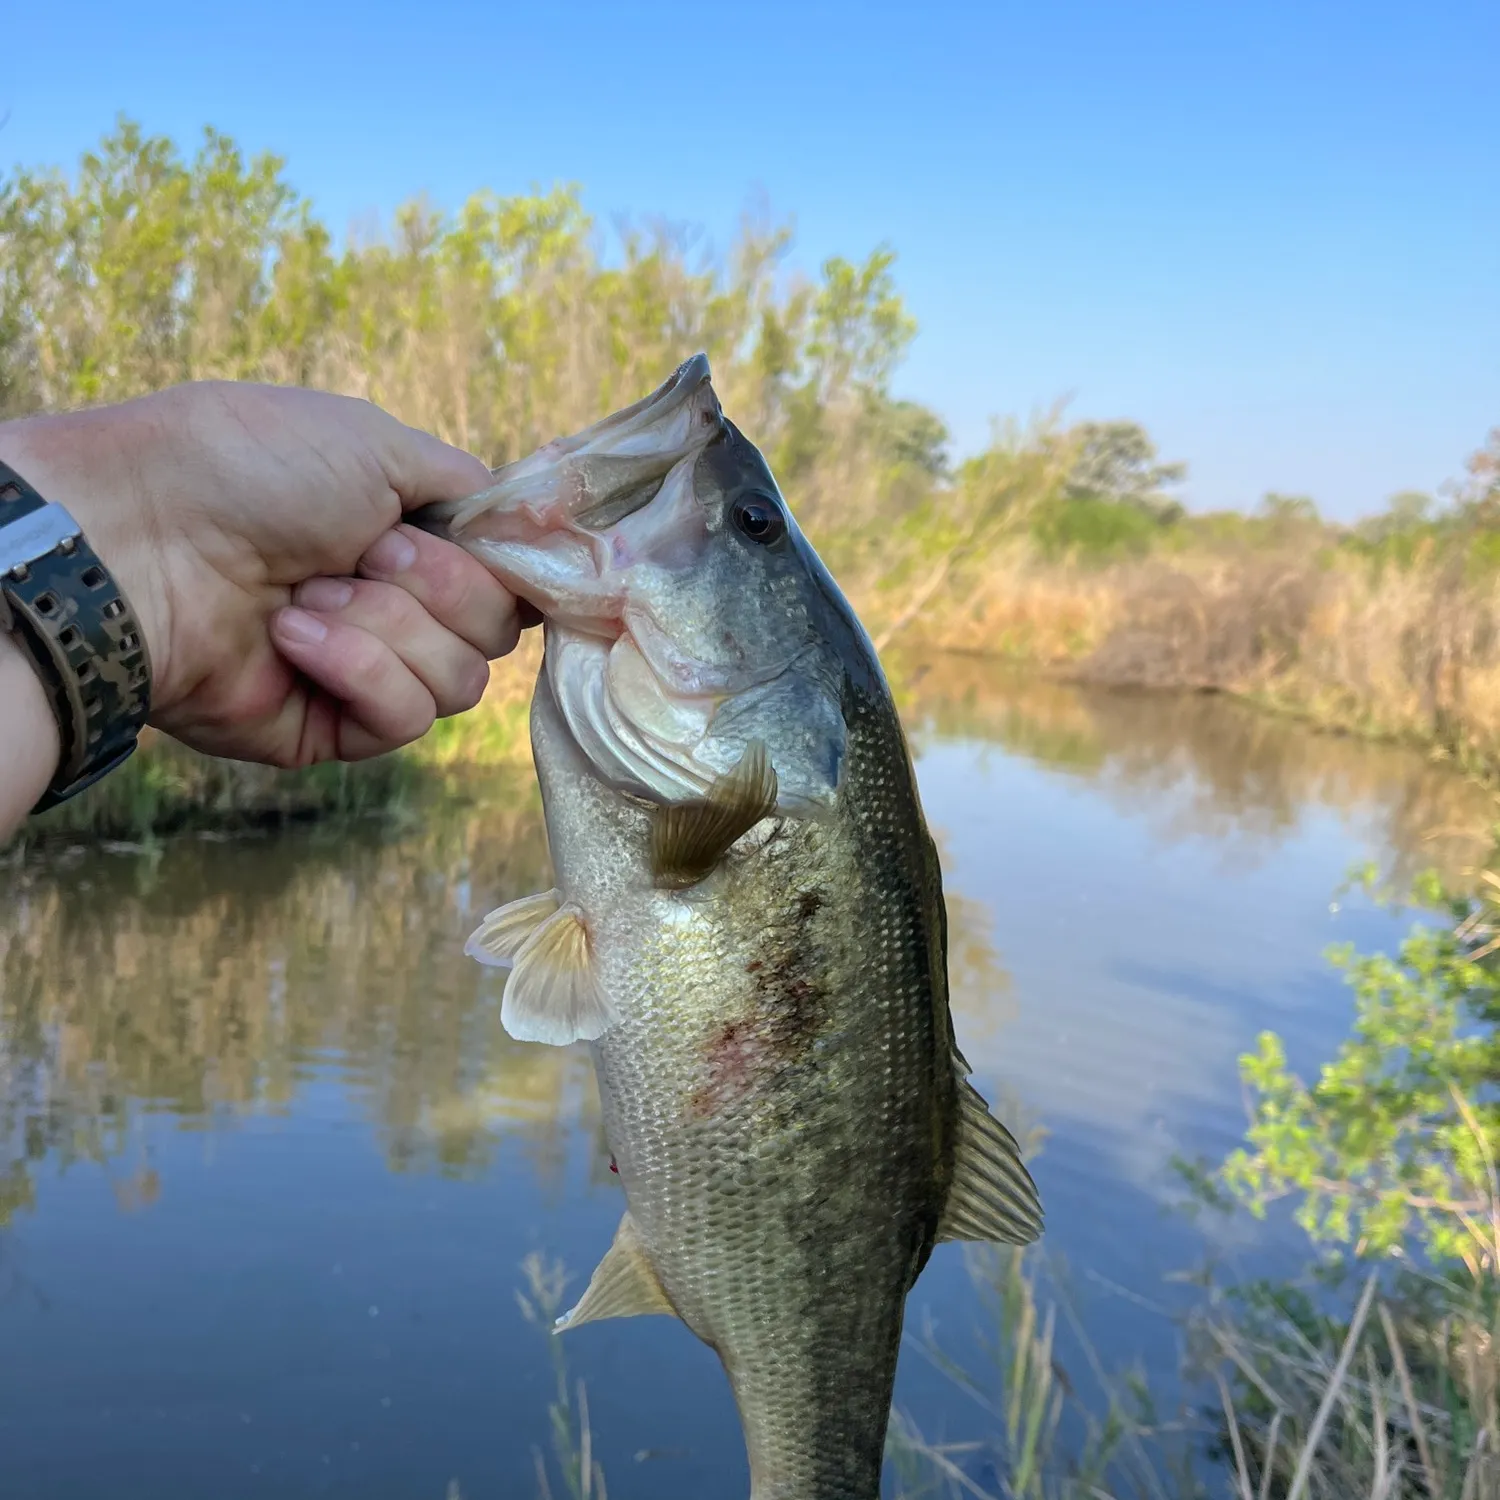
568, 1412
1411, 654
1396, 1403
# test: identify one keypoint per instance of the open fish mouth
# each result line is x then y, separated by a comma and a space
596, 478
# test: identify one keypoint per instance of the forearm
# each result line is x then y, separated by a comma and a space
28, 737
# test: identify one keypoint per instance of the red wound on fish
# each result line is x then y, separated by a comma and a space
612, 1166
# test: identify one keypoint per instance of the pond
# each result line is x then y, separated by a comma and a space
269, 1167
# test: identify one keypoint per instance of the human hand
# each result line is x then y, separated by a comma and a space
255, 530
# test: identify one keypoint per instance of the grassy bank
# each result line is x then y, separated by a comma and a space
1175, 622
1318, 631
166, 789
1388, 628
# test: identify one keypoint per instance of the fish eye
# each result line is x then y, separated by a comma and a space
760, 518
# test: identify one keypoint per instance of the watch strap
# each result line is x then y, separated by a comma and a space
62, 604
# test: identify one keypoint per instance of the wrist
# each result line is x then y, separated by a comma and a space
85, 462
28, 733
68, 621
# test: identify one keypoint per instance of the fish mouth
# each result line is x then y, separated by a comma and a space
596, 478
563, 527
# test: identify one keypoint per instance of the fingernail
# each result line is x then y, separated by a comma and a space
325, 593
392, 553
301, 626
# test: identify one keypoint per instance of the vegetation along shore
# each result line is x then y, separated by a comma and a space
511, 320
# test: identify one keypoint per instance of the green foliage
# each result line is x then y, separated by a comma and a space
1289, 511
1116, 461
1108, 502
1092, 530
512, 319
146, 270
1392, 1149
1406, 514
497, 326
860, 328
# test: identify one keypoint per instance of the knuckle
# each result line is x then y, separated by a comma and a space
398, 716
365, 656
390, 605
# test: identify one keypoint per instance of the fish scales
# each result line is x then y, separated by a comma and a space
778, 1098
747, 926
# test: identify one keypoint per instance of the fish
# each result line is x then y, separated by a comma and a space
747, 926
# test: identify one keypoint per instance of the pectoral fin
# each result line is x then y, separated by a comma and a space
497, 938
992, 1197
689, 838
623, 1284
552, 994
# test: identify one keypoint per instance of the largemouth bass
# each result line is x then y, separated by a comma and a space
748, 927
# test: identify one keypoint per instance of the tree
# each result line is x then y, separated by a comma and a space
1288, 518
1117, 462
1478, 493
860, 327
1404, 513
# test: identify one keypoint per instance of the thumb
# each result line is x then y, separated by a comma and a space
422, 468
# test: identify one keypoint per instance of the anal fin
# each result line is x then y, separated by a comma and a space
623, 1284
992, 1197
552, 994
689, 838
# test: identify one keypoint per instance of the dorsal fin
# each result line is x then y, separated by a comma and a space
992, 1197
689, 838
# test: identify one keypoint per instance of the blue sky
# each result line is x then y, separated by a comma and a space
1270, 232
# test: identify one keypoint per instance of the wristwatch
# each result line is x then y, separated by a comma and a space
60, 603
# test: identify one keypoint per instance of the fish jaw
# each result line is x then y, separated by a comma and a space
563, 526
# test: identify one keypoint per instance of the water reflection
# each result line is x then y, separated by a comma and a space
315, 980
223, 975
1205, 766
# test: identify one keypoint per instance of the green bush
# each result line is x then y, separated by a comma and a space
1088, 529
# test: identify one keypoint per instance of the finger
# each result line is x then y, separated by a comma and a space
386, 704
451, 670
455, 589
421, 467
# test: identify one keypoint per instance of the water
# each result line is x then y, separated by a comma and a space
269, 1166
